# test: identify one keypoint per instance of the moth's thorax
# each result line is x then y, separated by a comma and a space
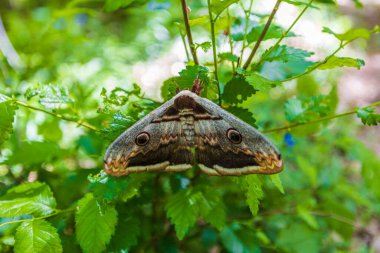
184, 102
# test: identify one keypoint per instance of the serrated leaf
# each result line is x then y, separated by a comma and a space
285, 53
50, 96
243, 114
218, 6
276, 180
204, 45
182, 210
350, 34
37, 236
7, 113
185, 80
215, 213
31, 198
126, 233
237, 90
368, 116
338, 62
227, 56
120, 122
261, 83
94, 226
274, 32
254, 192
29, 153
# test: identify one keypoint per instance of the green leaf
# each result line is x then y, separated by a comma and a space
205, 46
274, 32
285, 53
305, 214
94, 227
182, 210
199, 21
126, 233
261, 83
218, 6
243, 114
29, 153
120, 122
227, 56
212, 208
185, 80
50, 96
368, 116
350, 35
37, 236
293, 109
113, 5
254, 192
31, 198
276, 180
338, 62
299, 3
237, 90
238, 240
7, 113
299, 238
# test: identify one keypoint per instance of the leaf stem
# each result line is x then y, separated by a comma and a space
212, 23
265, 55
39, 218
184, 44
188, 32
262, 35
60, 116
289, 127
247, 17
230, 38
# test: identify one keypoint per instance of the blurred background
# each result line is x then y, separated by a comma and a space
81, 50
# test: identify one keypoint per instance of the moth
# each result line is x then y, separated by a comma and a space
188, 130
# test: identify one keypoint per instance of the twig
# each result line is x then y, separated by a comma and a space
184, 44
60, 116
265, 55
288, 127
247, 14
188, 32
262, 35
38, 218
212, 23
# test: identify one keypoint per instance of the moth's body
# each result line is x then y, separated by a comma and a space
189, 129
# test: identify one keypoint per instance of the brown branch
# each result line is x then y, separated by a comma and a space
262, 35
188, 32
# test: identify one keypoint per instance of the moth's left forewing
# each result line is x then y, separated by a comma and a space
217, 155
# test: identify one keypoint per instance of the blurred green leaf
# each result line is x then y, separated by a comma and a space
306, 215
37, 236
30, 198
204, 45
276, 180
261, 83
126, 233
300, 3
227, 56
350, 34
238, 240
338, 62
274, 32
113, 5
94, 228
243, 114
7, 113
298, 238
368, 116
218, 6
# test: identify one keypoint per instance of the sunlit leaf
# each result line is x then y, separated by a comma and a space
368, 116
94, 227
30, 198
7, 113
338, 62
261, 83
218, 6
285, 53
37, 236
274, 32
350, 34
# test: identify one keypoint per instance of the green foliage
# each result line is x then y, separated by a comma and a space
368, 116
37, 236
89, 70
29, 198
7, 113
94, 226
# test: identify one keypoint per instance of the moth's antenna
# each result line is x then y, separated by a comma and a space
197, 85
177, 90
